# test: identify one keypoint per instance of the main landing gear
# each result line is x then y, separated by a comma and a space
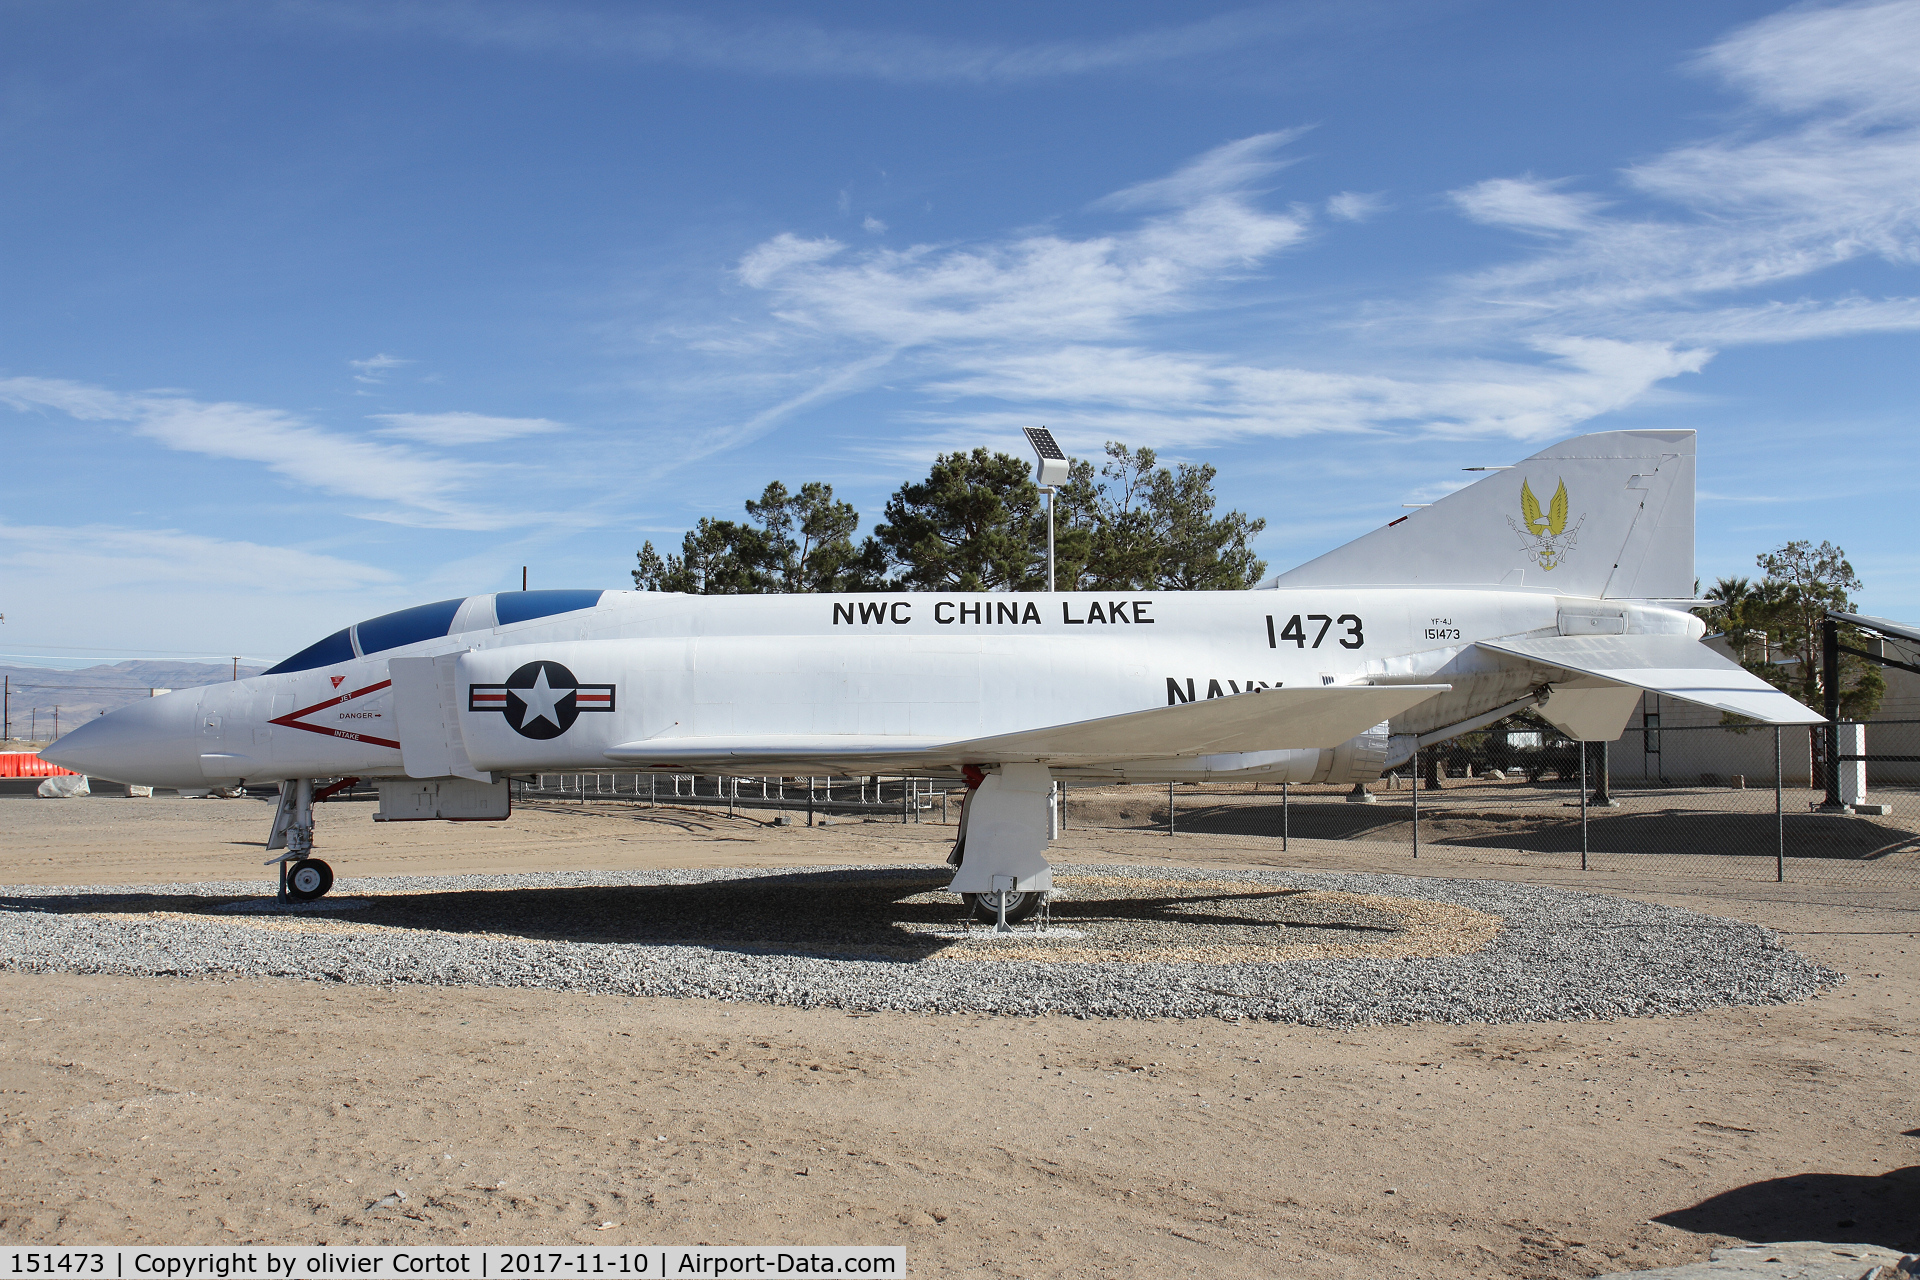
303, 877
999, 858
986, 906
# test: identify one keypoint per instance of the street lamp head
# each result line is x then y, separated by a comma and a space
1053, 467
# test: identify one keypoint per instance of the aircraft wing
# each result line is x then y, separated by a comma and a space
1258, 720
1679, 666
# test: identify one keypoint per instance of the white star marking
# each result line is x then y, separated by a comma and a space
540, 701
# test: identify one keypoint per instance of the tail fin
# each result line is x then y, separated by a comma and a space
1608, 515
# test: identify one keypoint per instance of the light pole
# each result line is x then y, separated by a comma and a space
1051, 470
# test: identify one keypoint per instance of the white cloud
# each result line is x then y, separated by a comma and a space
764, 262
873, 225
85, 588
1762, 206
1090, 394
1039, 285
1231, 169
1044, 325
413, 488
374, 369
1620, 284
797, 48
461, 428
1527, 203
1356, 206
101, 556
1860, 57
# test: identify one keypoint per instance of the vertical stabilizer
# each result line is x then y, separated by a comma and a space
1607, 515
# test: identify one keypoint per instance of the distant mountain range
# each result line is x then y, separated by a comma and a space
87, 692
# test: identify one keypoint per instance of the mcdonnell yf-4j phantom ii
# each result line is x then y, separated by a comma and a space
1560, 584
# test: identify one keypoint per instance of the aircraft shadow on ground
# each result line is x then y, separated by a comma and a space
846, 913
1557, 830
1841, 1207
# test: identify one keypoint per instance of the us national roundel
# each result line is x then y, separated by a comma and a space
541, 699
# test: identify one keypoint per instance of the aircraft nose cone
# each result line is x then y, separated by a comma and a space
155, 743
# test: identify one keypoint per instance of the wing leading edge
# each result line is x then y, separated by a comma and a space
1679, 666
1259, 720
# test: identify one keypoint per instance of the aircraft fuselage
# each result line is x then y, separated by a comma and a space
641, 666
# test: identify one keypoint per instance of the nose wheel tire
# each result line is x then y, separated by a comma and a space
986, 906
310, 878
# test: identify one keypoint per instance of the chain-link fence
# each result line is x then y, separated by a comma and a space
907, 799
1719, 801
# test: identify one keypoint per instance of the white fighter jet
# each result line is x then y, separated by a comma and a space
1561, 583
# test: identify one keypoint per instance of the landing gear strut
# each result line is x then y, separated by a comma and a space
999, 857
303, 877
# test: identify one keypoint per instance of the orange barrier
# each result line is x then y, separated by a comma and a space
25, 764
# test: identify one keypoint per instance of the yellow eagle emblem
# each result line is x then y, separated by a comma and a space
1554, 522
1545, 537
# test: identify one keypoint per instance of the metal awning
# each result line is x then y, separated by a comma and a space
1885, 626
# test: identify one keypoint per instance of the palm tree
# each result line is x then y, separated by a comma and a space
1730, 596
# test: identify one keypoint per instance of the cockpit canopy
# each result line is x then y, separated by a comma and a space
432, 621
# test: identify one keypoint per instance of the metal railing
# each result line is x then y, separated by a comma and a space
1709, 800
908, 799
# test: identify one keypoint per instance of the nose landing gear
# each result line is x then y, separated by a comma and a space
305, 880
303, 877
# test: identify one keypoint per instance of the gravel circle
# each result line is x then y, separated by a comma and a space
883, 938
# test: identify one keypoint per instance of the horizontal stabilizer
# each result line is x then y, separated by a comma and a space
1259, 720
1678, 666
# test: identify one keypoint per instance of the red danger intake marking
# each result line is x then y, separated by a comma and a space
295, 720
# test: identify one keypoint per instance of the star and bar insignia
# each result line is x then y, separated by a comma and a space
540, 700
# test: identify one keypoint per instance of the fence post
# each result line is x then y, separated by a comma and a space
1169, 809
1583, 806
653, 791
1285, 816
1416, 798
1830, 679
1779, 816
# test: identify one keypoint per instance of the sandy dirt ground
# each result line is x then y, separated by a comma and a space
173, 1111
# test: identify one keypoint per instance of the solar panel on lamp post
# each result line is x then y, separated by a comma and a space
1049, 472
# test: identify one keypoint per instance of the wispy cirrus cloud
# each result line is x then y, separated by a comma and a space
374, 369
107, 557
1823, 172
1231, 172
1528, 204
405, 485
1046, 326
1044, 286
454, 429
797, 47
1086, 394
1356, 206
1616, 288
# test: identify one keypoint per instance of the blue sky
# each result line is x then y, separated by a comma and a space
315, 309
